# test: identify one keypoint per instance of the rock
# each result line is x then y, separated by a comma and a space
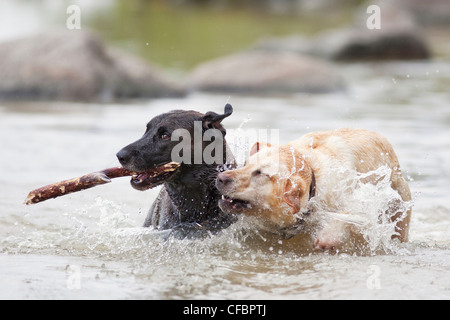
373, 45
355, 44
292, 43
76, 65
399, 37
264, 72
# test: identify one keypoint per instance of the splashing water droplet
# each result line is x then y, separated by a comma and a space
367, 203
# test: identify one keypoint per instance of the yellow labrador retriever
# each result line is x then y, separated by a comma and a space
281, 184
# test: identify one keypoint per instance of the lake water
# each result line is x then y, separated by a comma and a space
90, 245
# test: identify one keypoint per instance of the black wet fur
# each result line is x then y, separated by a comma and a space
188, 200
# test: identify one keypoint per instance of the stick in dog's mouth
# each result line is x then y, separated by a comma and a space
149, 179
139, 180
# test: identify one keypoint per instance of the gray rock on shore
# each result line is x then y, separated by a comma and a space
257, 72
375, 45
399, 38
76, 65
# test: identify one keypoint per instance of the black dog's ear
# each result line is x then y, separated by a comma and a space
211, 120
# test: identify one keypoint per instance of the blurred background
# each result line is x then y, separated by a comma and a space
175, 33
108, 49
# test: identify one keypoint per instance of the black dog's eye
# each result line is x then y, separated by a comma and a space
165, 136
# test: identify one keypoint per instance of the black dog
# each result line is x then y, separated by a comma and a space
188, 201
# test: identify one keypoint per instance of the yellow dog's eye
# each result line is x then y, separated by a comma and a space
256, 173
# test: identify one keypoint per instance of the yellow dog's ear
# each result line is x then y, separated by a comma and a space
292, 194
258, 146
296, 186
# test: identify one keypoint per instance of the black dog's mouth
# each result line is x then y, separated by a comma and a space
149, 179
231, 205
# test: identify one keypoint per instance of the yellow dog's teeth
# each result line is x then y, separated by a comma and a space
227, 199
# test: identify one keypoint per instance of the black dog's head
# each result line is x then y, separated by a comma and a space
155, 147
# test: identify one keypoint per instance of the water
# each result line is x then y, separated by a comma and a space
90, 244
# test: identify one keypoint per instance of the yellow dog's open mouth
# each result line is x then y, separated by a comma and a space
230, 205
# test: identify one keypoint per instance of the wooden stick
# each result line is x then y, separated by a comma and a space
91, 180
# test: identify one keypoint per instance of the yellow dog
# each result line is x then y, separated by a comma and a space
277, 183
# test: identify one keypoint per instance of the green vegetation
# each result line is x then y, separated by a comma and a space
182, 37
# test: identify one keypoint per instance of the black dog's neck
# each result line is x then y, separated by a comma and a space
194, 204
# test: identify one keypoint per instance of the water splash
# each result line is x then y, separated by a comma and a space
366, 207
105, 229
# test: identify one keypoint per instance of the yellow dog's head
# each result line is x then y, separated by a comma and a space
275, 184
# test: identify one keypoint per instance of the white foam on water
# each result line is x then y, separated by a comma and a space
364, 205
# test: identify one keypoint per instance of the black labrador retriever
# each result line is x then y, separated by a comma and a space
188, 200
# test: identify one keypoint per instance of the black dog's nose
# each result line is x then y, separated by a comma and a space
124, 156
